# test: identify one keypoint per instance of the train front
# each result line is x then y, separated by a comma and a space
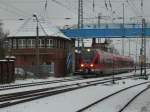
86, 61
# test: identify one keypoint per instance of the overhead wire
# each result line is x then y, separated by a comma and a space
131, 6
63, 5
24, 1
135, 9
21, 12
93, 8
93, 5
10, 11
110, 5
93, 11
47, 18
110, 9
23, 25
107, 3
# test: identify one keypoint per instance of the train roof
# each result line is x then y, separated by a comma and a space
115, 56
111, 55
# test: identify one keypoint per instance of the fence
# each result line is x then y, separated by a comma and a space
41, 71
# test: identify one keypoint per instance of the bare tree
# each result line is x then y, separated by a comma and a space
3, 36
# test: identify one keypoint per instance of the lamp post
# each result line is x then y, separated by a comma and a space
37, 45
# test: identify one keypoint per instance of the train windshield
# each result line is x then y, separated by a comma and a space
87, 55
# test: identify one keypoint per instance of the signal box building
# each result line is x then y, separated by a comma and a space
54, 50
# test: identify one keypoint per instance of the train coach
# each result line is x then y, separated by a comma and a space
103, 63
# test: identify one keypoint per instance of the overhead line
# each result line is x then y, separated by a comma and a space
22, 26
14, 8
61, 4
10, 11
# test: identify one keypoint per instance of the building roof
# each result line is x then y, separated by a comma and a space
28, 29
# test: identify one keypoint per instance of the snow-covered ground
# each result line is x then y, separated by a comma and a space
54, 84
141, 104
74, 100
54, 78
47, 85
116, 102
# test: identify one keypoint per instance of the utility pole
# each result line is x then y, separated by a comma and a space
129, 48
99, 25
113, 75
144, 39
143, 46
143, 51
123, 32
141, 7
136, 55
80, 19
99, 20
37, 45
80, 14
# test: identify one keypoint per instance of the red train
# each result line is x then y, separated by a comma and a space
101, 62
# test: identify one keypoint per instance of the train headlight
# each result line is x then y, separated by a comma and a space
91, 65
82, 65
88, 50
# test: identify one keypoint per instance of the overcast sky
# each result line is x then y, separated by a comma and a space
57, 10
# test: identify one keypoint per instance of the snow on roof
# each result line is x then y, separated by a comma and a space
28, 29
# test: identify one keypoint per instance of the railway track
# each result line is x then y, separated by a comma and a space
15, 86
20, 97
36, 84
131, 100
115, 93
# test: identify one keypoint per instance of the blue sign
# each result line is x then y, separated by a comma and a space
106, 33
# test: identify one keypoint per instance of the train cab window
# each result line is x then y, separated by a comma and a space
87, 55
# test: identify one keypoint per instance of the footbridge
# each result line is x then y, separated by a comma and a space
109, 31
